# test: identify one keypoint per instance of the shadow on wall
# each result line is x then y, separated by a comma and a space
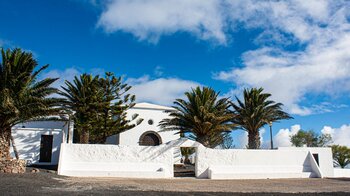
28, 144
182, 142
27, 147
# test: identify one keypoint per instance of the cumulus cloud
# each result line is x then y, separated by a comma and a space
289, 76
158, 71
319, 67
282, 138
160, 90
340, 136
148, 20
68, 74
242, 139
319, 32
63, 75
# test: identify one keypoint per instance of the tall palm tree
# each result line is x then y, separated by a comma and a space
254, 112
203, 116
82, 99
22, 96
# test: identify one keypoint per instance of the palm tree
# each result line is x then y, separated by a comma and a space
254, 112
187, 152
82, 99
203, 116
341, 156
22, 96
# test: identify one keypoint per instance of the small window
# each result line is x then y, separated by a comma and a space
150, 122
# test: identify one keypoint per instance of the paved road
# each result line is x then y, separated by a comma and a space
44, 183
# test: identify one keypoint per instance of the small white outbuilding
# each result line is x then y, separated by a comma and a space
39, 142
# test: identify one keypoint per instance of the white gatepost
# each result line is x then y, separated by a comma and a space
70, 131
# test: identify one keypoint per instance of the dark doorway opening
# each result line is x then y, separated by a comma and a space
150, 138
187, 166
316, 158
46, 148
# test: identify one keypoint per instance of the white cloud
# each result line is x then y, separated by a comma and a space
290, 76
282, 138
242, 140
148, 20
212, 19
263, 142
318, 31
67, 74
161, 90
158, 71
7, 44
340, 136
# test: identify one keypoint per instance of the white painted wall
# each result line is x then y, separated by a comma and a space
27, 140
103, 160
132, 136
249, 162
157, 161
341, 173
325, 158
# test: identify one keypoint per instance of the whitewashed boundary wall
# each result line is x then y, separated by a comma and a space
93, 160
255, 164
101, 160
341, 173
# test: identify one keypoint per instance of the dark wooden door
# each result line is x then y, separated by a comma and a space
46, 148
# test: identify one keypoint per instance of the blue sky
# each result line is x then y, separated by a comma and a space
299, 51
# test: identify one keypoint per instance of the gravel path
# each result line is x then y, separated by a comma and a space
45, 183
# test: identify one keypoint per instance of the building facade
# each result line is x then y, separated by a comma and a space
148, 132
39, 142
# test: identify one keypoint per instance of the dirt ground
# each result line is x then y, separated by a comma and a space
48, 183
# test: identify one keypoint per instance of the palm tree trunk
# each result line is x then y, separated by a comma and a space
14, 147
187, 160
204, 141
5, 143
84, 137
253, 140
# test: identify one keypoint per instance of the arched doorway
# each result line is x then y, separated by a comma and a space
150, 138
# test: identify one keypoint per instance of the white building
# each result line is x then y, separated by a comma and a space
39, 142
147, 133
